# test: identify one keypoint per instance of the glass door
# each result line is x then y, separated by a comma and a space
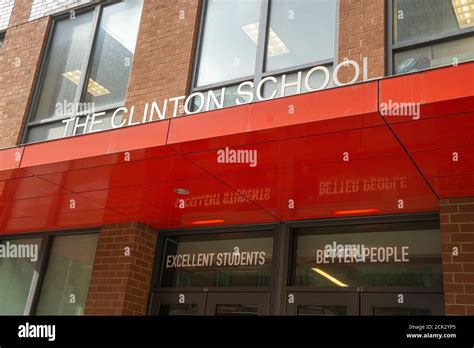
401, 304
242, 304
322, 304
177, 304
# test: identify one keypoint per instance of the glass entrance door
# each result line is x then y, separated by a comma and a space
242, 304
391, 304
320, 303
221, 304
401, 304
177, 304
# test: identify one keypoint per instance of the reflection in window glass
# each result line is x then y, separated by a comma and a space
301, 31
424, 18
16, 274
382, 266
68, 273
64, 63
113, 55
212, 260
229, 43
436, 55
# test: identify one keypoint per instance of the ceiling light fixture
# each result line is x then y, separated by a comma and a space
276, 46
356, 211
181, 191
207, 222
464, 10
330, 277
93, 88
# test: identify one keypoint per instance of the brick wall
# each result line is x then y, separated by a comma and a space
163, 56
362, 34
6, 7
457, 231
119, 283
20, 59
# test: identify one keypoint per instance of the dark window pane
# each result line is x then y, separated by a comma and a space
420, 19
16, 274
178, 309
68, 273
217, 260
229, 42
244, 310
113, 54
46, 132
401, 311
385, 255
431, 56
64, 63
321, 310
300, 32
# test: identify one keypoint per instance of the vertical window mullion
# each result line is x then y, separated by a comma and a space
262, 40
38, 276
86, 64
197, 59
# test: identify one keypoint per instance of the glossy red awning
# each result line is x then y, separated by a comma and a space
323, 154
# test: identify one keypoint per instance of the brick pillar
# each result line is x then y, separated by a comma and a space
120, 284
457, 231
163, 58
21, 12
20, 59
362, 34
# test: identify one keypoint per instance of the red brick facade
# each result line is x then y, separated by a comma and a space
20, 59
121, 277
163, 57
362, 34
162, 67
457, 239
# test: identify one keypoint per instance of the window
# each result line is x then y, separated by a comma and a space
299, 34
386, 255
226, 260
431, 33
46, 275
86, 71
16, 274
2, 39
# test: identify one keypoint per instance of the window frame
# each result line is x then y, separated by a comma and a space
2, 38
44, 254
260, 58
392, 48
96, 9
